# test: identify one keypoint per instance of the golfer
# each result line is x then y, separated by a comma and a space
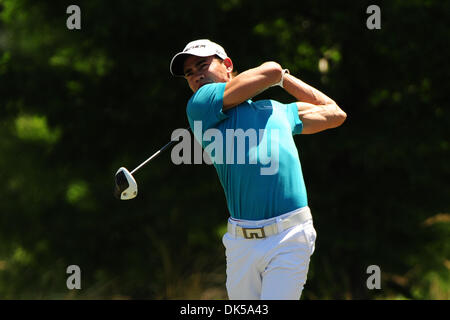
270, 236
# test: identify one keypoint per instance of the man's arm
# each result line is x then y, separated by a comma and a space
250, 83
316, 110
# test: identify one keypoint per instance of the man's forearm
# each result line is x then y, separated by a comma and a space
250, 83
304, 92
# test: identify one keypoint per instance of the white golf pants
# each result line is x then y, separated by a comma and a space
272, 268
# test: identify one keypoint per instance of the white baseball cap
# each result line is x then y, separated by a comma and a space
199, 48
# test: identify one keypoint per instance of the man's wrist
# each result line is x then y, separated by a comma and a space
280, 83
285, 71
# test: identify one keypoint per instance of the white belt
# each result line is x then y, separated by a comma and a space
271, 229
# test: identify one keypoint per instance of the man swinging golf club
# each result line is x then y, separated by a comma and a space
270, 234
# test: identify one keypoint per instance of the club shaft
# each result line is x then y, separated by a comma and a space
157, 153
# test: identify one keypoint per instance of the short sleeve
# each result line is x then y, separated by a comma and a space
294, 120
206, 105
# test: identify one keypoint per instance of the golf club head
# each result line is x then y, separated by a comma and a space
126, 186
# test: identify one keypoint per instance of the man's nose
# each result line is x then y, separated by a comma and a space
199, 76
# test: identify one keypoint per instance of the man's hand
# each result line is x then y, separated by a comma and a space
250, 83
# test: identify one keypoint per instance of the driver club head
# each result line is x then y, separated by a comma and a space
126, 186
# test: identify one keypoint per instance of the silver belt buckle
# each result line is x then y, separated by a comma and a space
254, 233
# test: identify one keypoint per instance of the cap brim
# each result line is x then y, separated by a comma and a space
177, 63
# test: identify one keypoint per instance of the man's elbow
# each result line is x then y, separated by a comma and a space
273, 70
342, 117
339, 118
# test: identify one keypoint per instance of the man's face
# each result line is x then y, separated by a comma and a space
199, 71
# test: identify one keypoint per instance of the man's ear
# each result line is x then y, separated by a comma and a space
228, 64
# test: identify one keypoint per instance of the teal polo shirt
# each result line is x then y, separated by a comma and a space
253, 151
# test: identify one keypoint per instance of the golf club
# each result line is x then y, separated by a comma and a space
125, 184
